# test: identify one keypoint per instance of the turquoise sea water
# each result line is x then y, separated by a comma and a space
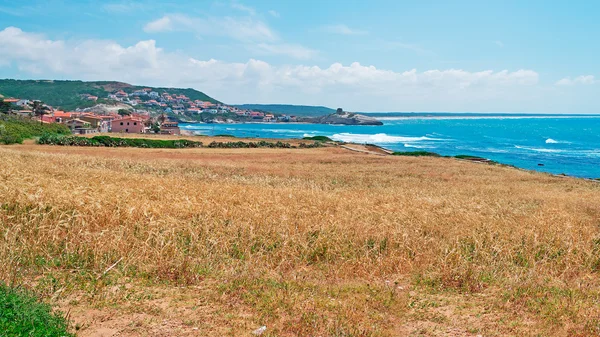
569, 145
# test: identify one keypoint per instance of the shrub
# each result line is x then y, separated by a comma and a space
319, 138
107, 141
21, 314
416, 154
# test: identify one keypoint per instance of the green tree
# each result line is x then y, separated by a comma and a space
124, 112
39, 110
155, 127
5, 107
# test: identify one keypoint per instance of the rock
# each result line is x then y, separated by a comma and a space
346, 118
259, 331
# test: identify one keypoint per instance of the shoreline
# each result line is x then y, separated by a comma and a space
474, 159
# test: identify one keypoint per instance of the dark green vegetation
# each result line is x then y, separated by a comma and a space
21, 314
291, 110
460, 156
108, 141
319, 138
416, 154
67, 94
5, 107
117, 142
262, 143
14, 130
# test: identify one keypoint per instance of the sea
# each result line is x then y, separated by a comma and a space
555, 144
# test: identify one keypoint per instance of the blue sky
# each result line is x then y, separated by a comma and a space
503, 56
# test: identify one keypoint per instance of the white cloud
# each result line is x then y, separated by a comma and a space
354, 86
240, 7
293, 50
273, 13
159, 25
499, 43
253, 34
342, 30
241, 29
584, 79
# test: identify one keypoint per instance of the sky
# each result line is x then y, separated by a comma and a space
377, 55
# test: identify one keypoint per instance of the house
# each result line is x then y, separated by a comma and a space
11, 100
22, 102
23, 113
139, 93
92, 98
170, 128
127, 125
61, 116
257, 115
153, 94
96, 122
76, 124
121, 94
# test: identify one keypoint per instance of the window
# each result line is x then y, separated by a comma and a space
134, 123
126, 130
127, 123
121, 123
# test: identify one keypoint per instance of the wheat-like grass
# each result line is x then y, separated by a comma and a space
310, 242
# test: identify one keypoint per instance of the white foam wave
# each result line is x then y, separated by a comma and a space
535, 149
551, 141
419, 146
377, 138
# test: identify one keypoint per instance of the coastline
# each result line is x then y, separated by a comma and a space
387, 152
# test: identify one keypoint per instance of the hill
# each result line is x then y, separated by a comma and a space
66, 94
294, 110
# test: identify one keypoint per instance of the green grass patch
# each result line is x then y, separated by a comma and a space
108, 141
319, 138
14, 130
416, 154
21, 314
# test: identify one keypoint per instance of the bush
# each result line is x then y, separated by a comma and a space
21, 314
107, 141
319, 138
416, 154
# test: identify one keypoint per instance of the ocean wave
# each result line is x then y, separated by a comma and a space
536, 149
553, 141
419, 146
378, 138
287, 131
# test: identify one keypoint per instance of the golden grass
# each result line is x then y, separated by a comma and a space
309, 242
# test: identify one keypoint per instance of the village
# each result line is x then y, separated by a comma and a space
147, 112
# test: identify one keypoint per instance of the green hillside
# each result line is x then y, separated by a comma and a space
66, 94
292, 110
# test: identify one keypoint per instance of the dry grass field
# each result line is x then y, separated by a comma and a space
308, 242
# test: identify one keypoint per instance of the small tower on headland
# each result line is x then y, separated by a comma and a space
339, 111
